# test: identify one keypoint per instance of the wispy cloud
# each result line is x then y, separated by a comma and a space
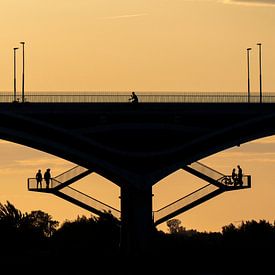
125, 16
241, 2
42, 162
250, 2
250, 156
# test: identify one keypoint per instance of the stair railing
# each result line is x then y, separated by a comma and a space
184, 202
88, 201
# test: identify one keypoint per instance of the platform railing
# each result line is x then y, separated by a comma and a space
65, 178
32, 184
233, 184
215, 177
144, 97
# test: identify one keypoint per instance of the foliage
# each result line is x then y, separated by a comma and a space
10, 216
174, 226
36, 222
42, 222
35, 236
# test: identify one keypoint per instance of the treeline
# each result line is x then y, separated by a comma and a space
34, 242
37, 243
244, 249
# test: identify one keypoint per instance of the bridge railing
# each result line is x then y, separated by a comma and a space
144, 97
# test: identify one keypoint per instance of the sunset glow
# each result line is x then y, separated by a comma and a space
156, 45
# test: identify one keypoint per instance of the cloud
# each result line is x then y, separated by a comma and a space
250, 2
125, 16
250, 157
242, 2
42, 162
30, 165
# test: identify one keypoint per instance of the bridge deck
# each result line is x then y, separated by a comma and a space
129, 142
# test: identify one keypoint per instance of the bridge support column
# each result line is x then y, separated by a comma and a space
136, 221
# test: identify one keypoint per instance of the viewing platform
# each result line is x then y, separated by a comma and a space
217, 184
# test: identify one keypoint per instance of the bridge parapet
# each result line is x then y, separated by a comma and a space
144, 97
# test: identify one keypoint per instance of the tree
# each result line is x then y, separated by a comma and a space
43, 222
174, 226
38, 222
11, 216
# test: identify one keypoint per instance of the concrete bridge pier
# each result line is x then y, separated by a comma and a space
136, 221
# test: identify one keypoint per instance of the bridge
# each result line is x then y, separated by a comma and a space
136, 145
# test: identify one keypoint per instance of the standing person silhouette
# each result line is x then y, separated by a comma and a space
234, 176
240, 175
47, 177
38, 177
133, 98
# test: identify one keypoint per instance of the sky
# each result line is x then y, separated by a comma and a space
141, 45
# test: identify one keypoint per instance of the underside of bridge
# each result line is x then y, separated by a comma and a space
135, 146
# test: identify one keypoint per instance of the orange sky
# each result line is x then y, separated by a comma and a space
142, 45
156, 45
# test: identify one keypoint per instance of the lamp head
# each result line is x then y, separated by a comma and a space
22, 43
249, 49
259, 44
15, 48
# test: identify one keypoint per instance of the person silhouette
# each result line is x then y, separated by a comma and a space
38, 177
240, 175
47, 177
133, 98
234, 176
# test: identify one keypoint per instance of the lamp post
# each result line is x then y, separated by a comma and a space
260, 69
14, 74
248, 74
23, 73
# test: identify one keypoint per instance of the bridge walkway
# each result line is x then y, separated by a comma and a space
59, 186
218, 183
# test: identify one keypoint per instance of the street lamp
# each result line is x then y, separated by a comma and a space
260, 69
23, 73
248, 73
14, 74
